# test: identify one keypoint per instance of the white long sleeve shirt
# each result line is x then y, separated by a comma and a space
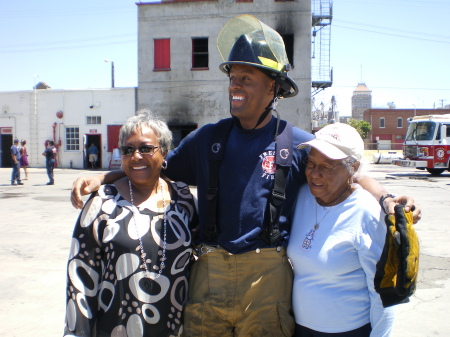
334, 266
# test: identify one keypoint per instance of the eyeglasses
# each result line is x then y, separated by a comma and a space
323, 169
128, 150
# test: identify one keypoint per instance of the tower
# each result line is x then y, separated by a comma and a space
361, 101
321, 72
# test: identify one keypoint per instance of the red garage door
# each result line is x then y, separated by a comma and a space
113, 136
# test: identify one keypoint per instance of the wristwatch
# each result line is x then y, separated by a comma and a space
384, 197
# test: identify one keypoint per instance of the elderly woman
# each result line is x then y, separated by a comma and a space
337, 238
131, 247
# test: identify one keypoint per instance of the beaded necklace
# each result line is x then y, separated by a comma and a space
141, 245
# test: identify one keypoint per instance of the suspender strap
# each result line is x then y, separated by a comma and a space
283, 160
215, 156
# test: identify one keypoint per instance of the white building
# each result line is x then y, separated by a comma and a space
72, 118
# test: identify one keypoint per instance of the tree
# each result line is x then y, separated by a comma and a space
362, 127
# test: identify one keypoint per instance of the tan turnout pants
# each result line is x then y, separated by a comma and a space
240, 295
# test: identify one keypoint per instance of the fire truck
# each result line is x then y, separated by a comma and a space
427, 144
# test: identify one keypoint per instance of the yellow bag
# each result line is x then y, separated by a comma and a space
397, 269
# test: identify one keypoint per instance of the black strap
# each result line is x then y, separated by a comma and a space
215, 156
283, 160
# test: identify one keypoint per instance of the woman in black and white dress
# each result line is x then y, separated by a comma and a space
131, 247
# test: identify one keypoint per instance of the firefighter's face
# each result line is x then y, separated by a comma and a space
250, 91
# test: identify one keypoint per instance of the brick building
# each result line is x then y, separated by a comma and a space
389, 126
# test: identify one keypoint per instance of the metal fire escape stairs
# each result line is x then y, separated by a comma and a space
321, 72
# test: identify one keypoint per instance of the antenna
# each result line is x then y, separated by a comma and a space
361, 81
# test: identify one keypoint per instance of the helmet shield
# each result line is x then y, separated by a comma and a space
246, 40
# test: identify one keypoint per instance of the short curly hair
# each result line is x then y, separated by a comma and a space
159, 127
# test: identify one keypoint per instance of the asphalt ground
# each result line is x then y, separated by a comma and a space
37, 222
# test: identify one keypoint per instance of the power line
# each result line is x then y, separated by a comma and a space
58, 12
393, 29
392, 34
25, 45
417, 3
396, 88
66, 47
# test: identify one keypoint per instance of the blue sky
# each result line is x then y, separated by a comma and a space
65, 43
399, 48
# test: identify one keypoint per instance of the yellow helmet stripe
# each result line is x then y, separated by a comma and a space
270, 63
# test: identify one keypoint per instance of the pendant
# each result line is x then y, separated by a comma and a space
309, 237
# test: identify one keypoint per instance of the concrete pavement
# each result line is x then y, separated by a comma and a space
37, 222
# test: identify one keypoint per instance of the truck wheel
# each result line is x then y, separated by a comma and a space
435, 172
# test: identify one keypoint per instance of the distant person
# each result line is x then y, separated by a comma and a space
50, 155
15, 156
92, 152
337, 237
24, 157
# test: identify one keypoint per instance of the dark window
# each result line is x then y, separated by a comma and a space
399, 122
289, 44
382, 125
162, 54
200, 55
179, 131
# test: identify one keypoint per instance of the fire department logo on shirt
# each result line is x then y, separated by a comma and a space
268, 164
440, 153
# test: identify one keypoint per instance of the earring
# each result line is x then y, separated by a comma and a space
164, 165
121, 167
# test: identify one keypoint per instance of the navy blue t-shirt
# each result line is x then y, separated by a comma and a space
245, 182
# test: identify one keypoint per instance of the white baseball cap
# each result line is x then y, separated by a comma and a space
337, 141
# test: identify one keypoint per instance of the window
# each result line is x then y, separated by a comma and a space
72, 139
179, 131
399, 122
162, 54
382, 125
289, 45
93, 119
200, 53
